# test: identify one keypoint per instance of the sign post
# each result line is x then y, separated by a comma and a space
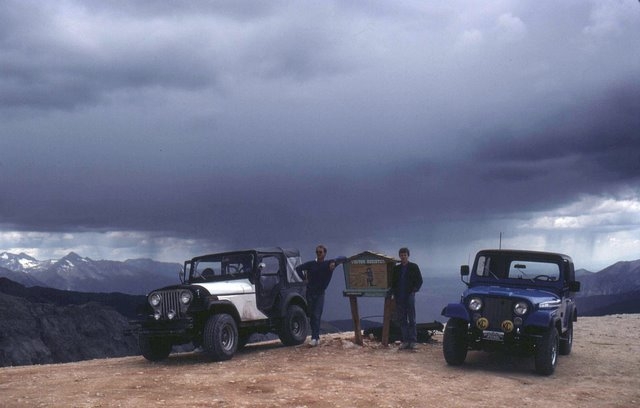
369, 274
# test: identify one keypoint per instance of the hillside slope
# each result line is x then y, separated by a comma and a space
40, 333
43, 325
601, 371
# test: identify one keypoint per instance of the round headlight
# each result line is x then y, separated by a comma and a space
520, 308
475, 304
155, 299
185, 297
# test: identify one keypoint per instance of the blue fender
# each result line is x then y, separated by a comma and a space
540, 319
456, 310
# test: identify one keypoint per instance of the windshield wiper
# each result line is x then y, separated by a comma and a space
492, 274
524, 275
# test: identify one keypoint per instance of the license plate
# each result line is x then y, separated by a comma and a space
493, 336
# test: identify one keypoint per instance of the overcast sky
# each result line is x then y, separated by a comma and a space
134, 129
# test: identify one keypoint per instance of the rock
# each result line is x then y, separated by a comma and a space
41, 333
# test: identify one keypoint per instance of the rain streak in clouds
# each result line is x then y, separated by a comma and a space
151, 129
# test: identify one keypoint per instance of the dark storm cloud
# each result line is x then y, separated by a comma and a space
43, 69
65, 76
243, 10
591, 148
594, 146
262, 123
502, 175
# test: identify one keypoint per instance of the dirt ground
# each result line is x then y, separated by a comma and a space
602, 371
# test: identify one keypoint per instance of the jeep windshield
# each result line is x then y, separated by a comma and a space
220, 267
515, 269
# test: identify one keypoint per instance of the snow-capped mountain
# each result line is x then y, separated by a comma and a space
21, 277
74, 272
22, 262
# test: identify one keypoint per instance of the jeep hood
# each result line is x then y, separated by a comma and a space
535, 296
228, 287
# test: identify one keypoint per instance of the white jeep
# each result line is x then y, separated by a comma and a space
222, 300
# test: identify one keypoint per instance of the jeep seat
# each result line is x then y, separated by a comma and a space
208, 274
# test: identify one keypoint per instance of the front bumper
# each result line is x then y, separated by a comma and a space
184, 327
489, 340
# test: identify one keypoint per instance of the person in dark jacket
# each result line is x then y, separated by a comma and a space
406, 280
318, 276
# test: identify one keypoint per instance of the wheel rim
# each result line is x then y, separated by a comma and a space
554, 352
296, 327
228, 338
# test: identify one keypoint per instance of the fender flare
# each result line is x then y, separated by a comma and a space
543, 319
222, 305
456, 310
292, 299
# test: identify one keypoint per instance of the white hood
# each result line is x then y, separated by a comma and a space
240, 286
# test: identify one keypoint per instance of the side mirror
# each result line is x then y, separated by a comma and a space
261, 266
574, 286
464, 270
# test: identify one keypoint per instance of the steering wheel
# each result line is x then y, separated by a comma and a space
543, 277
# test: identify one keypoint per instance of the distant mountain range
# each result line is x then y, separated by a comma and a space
613, 290
600, 290
76, 273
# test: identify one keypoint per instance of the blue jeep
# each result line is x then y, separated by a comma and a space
517, 301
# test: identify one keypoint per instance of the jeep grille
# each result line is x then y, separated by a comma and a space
497, 310
170, 302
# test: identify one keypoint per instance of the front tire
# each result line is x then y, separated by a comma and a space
546, 357
294, 327
454, 344
220, 337
154, 348
567, 342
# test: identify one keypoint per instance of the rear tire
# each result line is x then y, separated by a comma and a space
454, 344
294, 327
220, 337
547, 352
154, 348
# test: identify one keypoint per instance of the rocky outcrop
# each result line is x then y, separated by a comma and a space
41, 333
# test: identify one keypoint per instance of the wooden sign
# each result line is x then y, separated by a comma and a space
368, 274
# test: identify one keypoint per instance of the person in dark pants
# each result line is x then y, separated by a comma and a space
406, 280
318, 276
